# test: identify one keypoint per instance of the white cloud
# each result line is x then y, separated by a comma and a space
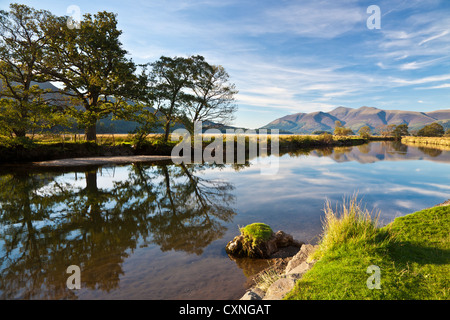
441, 86
445, 32
443, 77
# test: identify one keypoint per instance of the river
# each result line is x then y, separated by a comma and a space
158, 231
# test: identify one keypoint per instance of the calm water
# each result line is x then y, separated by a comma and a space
158, 231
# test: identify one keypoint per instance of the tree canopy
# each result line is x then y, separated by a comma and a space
24, 106
432, 130
98, 79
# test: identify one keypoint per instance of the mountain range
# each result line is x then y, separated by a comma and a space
306, 123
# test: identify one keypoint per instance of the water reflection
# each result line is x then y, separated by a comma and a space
49, 222
376, 151
158, 231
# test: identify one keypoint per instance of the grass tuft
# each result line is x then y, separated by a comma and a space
352, 223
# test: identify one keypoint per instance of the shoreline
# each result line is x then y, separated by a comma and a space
294, 267
99, 161
35, 152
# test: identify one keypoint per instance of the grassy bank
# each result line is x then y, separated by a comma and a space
412, 253
51, 147
427, 141
323, 140
47, 148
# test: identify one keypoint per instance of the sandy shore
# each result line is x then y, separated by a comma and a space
89, 161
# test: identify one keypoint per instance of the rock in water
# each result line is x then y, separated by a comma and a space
251, 246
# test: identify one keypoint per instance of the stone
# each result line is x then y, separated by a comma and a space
299, 270
253, 294
241, 246
300, 257
279, 288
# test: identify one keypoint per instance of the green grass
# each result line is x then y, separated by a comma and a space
412, 252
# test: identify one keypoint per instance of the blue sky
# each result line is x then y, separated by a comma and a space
289, 56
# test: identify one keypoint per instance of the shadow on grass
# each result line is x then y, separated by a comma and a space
405, 252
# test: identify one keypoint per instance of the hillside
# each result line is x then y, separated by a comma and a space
357, 118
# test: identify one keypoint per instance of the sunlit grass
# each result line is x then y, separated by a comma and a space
412, 252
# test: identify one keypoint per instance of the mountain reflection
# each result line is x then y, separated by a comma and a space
377, 151
48, 222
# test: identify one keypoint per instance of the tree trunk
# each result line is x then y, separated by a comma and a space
91, 130
91, 133
167, 131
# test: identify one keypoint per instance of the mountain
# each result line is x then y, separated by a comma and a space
356, 118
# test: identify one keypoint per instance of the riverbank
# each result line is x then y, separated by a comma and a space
441, 143
36, 151
27, 150
412, 254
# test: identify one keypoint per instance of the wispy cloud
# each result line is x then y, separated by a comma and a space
443, 33
318, 19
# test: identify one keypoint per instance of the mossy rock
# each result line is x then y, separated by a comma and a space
257, 232
257, 240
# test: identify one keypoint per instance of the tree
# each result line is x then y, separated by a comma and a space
169, 81
340, 130
214, 95
23, 106
92, 65
387, 130
364, 132
432, 130
400, 131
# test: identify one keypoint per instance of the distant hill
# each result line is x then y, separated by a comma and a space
356, 118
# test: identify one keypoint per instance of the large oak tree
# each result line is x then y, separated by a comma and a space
92, 66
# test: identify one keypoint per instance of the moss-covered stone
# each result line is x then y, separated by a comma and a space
257, 240
257, 232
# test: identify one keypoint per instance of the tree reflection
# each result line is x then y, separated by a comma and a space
47, 224
430, 151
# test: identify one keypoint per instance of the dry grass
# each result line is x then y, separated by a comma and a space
427, 141
265, 279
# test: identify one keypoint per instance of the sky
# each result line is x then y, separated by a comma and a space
290, 56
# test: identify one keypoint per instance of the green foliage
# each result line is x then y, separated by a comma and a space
400, 131
340, 130
432, 130
364, 132
98, 78
93, 67
15, 142
186, 90
24, 106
